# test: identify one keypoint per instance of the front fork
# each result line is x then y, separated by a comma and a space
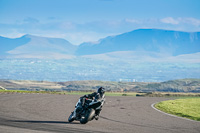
76, 107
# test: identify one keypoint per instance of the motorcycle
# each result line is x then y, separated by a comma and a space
87, 112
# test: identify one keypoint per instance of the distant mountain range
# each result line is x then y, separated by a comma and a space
151, 40
29, 46
143, 42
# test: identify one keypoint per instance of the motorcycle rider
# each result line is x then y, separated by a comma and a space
100, 94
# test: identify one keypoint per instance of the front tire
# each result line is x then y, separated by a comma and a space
71, 119
88, 116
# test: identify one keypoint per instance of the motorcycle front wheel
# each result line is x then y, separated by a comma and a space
88, 116
70, 119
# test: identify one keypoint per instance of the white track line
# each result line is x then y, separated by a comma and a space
152, 105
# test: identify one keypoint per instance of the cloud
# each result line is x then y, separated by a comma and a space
193, 21
31, 20
169, 20
51, 18
176, 21
132, 21
67, 25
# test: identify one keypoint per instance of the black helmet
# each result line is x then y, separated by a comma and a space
101, 90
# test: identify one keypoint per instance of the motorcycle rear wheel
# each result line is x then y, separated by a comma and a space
88, 116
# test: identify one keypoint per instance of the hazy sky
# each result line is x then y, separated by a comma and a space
89, 20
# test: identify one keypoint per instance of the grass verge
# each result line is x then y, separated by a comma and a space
188, 108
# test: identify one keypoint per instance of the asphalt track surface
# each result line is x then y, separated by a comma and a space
44, 113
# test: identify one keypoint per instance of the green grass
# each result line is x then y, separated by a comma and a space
188, 108
170, 94
25, 91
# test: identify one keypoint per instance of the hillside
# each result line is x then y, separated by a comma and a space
182, 85
145, 40
8, 44
29, 46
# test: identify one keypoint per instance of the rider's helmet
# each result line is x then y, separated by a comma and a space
101, 90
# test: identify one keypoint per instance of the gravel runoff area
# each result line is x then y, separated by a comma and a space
44, 113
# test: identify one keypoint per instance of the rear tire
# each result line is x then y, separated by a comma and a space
88, 116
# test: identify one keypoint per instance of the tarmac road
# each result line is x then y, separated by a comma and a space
44, 113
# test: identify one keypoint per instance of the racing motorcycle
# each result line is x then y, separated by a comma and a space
88, 112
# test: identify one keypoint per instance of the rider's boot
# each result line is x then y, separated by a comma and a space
96, 117
97, 114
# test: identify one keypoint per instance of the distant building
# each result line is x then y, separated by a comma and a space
127, 80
